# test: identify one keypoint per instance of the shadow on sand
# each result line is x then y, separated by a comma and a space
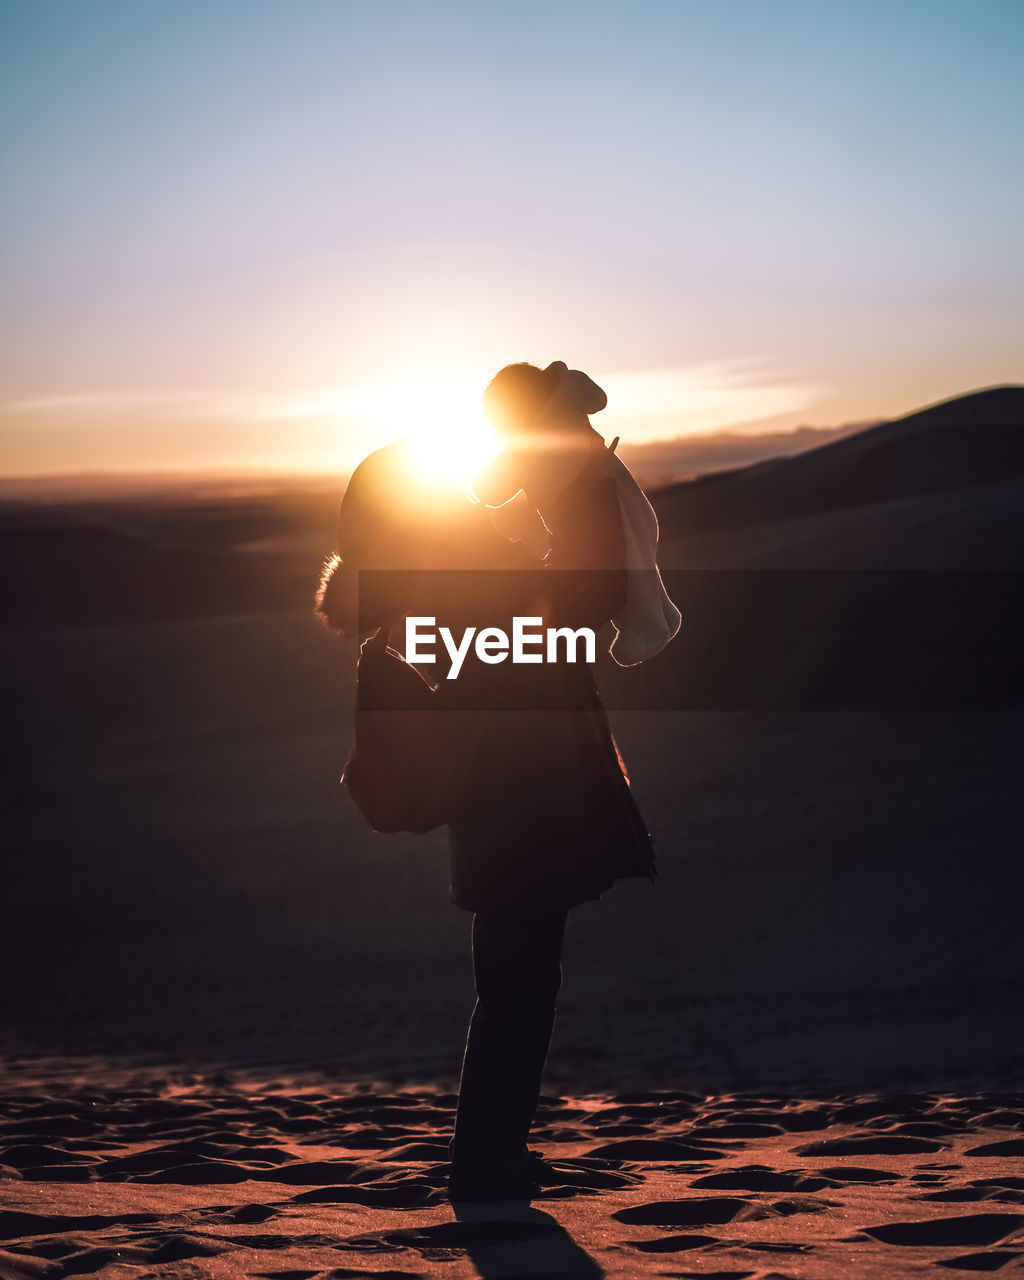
503, 1239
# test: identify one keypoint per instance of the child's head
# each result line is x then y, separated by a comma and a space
523, 401
516, 395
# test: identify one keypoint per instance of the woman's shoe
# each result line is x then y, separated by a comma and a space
543, 1173
502, 1182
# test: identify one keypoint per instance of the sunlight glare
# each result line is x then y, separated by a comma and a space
448, 435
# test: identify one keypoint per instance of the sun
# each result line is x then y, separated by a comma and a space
452, 452
449, 438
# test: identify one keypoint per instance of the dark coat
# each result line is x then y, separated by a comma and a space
546, 815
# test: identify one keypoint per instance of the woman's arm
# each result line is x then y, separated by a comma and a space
486, 579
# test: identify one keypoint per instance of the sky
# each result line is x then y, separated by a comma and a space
252, 234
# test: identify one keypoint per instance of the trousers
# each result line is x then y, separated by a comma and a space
517, 968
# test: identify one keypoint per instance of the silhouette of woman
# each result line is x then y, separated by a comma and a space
545, 819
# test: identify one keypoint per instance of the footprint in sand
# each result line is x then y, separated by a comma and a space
307, 1173
990, 1261
780, 1246
807, 1204
311, 1241
876, 1145
286, 1275
1002, 1120
14, 1225
59, 1173
1012, 1147
405, 1196
788, 1121
151, 1163
198, 1173
344, 1273
248, 1213
743, 1130
700, 1211
889, 1107
978, 1228
655, 1149
157, 1249
448, 1241
722, 1275
418, 1151
30, 1157
759, 1178
854, 1173
672, 1244
999, 1190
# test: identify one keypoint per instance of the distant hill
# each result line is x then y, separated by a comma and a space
667, 462
940, 490
81, 575
882, 570
975, 439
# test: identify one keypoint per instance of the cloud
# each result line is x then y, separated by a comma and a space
669, 403
155, 403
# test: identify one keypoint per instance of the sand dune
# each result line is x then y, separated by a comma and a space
972, 440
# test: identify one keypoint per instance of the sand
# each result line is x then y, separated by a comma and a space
224, 1180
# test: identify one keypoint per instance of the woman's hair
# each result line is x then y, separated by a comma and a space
394, 518
515, 395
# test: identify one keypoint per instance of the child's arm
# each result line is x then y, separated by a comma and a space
500, 480
589, 543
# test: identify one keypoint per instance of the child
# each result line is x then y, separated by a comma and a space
541, 418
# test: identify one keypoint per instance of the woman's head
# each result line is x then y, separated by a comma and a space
393, 517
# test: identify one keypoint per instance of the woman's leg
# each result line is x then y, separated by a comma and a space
517, 966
